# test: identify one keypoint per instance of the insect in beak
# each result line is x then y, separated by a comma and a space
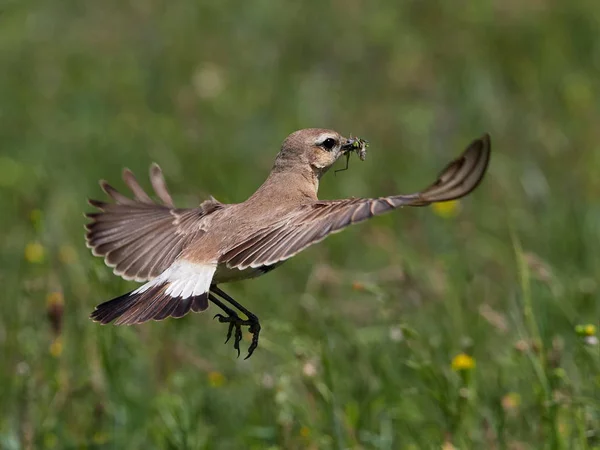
357, 145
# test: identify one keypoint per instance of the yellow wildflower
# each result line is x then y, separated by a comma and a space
463, 362
586, 330
56, 347
446, 210
34, 252
216, 379
304, 431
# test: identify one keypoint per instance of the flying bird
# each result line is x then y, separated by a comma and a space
184, 255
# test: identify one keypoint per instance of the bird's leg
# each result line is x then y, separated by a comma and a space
235, 321
232, 318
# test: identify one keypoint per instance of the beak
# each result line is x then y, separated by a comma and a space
348, 145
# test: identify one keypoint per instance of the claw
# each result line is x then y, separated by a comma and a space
237, 339
229, 330
235, 322
255, 330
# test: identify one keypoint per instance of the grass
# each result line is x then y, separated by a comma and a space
470, 326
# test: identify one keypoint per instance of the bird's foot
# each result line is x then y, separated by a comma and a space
235, 327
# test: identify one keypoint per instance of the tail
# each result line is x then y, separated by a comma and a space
182, 287
153, 304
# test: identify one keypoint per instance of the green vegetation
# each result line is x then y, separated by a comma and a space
471, 326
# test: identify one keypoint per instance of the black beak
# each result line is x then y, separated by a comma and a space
348, 145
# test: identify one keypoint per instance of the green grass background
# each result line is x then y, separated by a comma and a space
359, 332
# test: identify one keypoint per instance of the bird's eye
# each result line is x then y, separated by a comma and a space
328, 143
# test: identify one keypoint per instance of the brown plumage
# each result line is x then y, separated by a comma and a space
183, 254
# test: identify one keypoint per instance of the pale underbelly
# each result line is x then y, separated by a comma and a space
225, 274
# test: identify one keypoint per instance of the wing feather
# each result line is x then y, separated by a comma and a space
311, 223
139, 238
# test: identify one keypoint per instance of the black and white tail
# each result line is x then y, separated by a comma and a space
182, 287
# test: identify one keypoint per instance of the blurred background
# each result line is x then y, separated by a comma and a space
471, 325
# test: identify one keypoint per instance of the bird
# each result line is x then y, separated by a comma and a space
184, 255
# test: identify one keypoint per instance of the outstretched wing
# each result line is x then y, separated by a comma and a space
312, 222
138, 237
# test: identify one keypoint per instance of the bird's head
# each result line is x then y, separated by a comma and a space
317, 148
